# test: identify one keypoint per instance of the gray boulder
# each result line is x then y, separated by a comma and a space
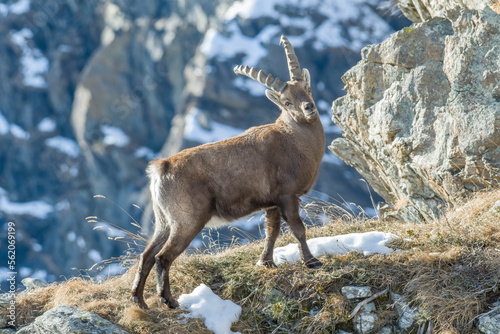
354, 292
489, 322
70, 320
365, 321
421, 118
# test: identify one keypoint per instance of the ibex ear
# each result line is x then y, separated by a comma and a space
306, 76
274, 97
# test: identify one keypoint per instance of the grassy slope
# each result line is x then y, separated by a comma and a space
450, 268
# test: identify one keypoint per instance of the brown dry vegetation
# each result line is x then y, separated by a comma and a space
449, 268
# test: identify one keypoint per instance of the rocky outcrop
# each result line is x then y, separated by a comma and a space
70, 320
423, 10
421, 118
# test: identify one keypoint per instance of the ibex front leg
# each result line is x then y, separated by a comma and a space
289, 207
273, 222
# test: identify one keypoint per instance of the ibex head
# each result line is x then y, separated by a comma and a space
292, 97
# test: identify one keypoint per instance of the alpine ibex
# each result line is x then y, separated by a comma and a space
265, 168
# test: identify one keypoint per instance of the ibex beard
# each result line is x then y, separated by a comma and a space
266, 168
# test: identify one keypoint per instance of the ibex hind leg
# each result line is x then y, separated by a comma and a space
290, 211
146, 262
179, 240
273, 222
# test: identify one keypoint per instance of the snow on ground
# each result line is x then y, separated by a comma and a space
46, 125
20, 7
64, 145
38, 209
114, 136
367, 243
13, 129
19, 132
33, 63
217, 313
195, 132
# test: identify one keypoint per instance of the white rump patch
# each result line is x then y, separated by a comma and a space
215, 222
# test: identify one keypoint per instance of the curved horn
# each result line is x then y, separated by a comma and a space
291, 59
269, 81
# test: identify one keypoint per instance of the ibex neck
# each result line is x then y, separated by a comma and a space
309, 137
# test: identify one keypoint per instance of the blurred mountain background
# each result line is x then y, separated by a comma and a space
90, 91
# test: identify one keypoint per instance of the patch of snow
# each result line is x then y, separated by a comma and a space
111, 270
80, 242
323, 105
195, 132
196, 243
370, 211
63, 205
145, 152
253, 87
19, 132
37, 209
110, 231
328, 125
25, 271
71, 170
331, 158
4, 9
46, 125
71, 236
33, 63
224, 47
351, 25
95, 256
114, 136
367, 243
5, 274
217, 313
20, 7
40, 274
4, 125
64, 145
36, 247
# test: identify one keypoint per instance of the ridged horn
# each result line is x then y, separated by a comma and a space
291, 59
269, 81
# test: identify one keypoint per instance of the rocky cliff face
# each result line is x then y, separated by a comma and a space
421, 120
93, 90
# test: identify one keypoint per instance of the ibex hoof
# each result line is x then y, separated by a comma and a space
171, 303
314, 264
267, 264
140, 303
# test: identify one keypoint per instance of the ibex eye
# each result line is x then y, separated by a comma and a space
287, 104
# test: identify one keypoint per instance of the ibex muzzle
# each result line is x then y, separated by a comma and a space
266, 168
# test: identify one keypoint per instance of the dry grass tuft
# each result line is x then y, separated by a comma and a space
449, 268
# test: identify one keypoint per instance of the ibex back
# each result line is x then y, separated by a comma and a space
266, 168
